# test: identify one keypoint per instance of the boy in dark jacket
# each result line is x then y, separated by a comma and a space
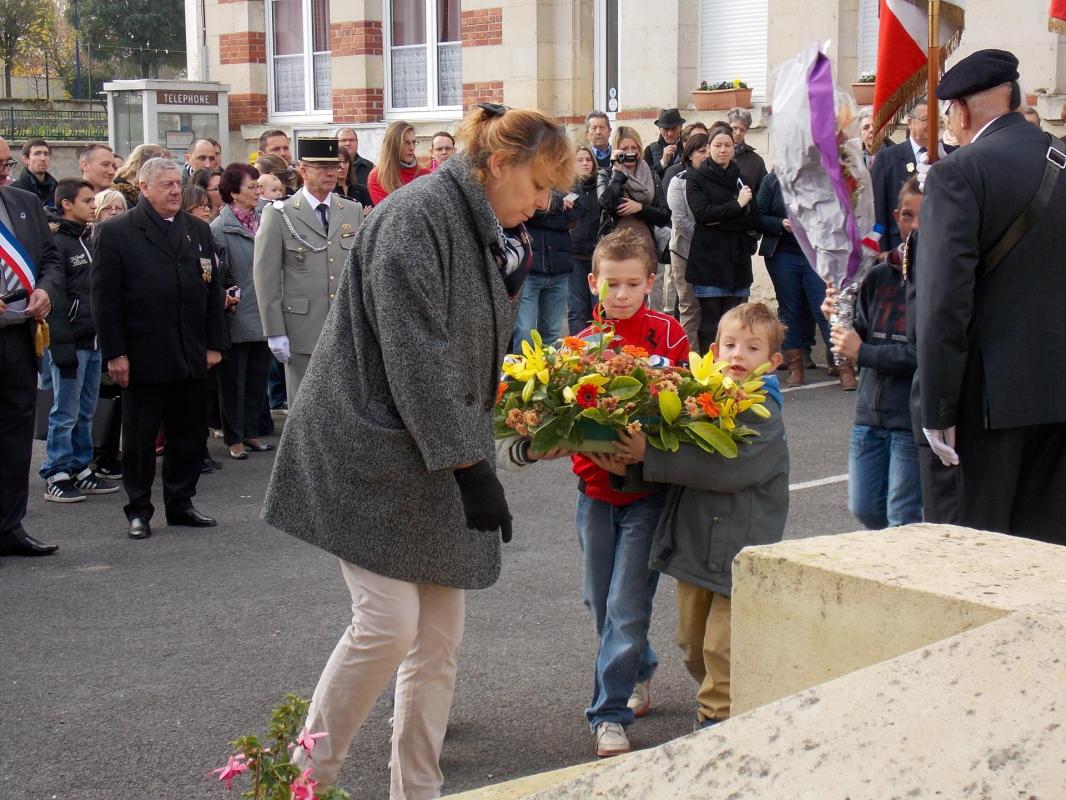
715, 507
884, 486
74, 359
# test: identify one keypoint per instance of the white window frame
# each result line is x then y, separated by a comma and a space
760, 94
599, 55
309, 112
867, 48
432, 111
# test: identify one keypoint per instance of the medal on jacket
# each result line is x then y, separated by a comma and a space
206, 269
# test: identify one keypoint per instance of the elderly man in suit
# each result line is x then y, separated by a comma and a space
157, 302
990, 297
31, 280
891, 169
300, 252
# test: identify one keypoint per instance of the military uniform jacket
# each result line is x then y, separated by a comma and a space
156, 296
990, 347
294, 284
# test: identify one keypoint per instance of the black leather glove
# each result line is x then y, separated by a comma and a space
483, 499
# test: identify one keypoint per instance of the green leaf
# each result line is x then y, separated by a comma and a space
670, 441
715, 437
624, 387
545, 435
669, 406
595, 414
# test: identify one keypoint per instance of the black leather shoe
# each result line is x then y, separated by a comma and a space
190, 517
209, 465
139, 528
19, 543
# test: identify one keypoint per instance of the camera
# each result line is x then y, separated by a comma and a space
627, 158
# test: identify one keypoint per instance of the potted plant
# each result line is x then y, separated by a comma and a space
722, 95
863, 89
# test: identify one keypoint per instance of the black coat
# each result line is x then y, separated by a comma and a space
653, 154
550, 232
30, 226
45, 190
770, 206
584, 235
721, 249
157, 297
990, 347
71, 321
358, 173
751, 165
892, 167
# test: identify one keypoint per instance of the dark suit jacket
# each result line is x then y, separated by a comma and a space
156, 297
30, 227
892, 167
358, 174
990, 347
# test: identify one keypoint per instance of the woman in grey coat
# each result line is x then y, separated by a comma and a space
388, 461
243, 372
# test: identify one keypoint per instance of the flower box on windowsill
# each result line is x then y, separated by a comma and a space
721, 99
863, 93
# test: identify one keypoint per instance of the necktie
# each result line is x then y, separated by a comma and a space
323, 208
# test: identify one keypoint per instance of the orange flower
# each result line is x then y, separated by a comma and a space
499, 391
633, 350
574, 343
706, 401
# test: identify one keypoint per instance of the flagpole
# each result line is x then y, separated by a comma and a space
933, 112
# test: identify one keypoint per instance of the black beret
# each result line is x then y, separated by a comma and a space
316, 150
977, 72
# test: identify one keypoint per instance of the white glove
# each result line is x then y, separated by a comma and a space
943, 444
279, 346
923, 166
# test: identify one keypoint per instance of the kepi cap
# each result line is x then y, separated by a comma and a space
317, 150
977, 72
669, 118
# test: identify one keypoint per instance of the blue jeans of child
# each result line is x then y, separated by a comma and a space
618, 589
884, 484
800, 293
70, 422
542, 307
579, 300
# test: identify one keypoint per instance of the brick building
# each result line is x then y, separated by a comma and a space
313, 65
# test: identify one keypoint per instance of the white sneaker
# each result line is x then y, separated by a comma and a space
611, 740
640, 700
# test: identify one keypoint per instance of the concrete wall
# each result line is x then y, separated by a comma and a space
922, 662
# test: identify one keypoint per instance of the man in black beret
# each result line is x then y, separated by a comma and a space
990, 300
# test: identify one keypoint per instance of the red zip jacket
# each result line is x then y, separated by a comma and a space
661, 335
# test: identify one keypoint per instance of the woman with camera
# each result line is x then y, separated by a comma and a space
719, 259
631, 195
242, 375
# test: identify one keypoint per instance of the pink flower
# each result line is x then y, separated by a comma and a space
303, 788
234, 767
307, 740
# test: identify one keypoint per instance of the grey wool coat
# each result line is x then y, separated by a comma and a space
238, 246
400, 390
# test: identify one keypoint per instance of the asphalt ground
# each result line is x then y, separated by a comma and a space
126, 666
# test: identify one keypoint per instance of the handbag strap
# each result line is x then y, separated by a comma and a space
1056, 164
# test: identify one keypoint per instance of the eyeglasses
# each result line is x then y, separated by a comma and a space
9, 163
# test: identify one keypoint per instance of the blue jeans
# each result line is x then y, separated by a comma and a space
70, 422
800, 293
579, 301
618, 589
542, 307
884, 485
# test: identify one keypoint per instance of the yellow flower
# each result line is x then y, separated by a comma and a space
705, 371
531, 364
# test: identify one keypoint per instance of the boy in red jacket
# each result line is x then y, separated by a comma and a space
615, 528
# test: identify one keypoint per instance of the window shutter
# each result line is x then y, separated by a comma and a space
733, 43
867, 38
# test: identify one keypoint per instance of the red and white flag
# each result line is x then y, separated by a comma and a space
903, 52
1056, 22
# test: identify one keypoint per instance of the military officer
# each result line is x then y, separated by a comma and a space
990, 296
300, 250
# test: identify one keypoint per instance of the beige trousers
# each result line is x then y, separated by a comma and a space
295, 369
414, 631
703, 630
687, 304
